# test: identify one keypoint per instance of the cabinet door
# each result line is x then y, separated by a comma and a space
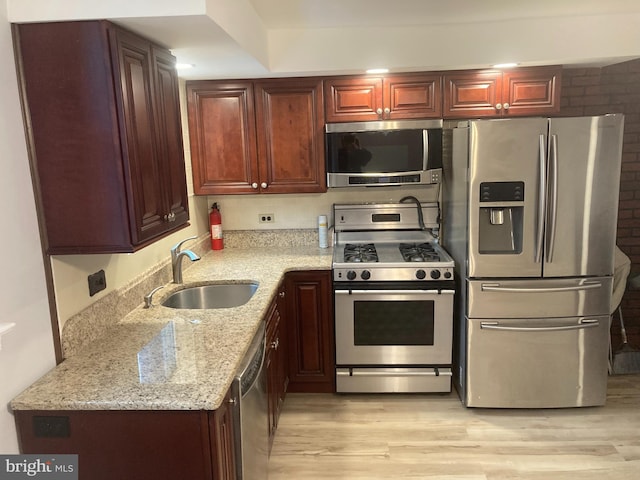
169, 137
141, 159
270, 361
353, 99
290, 122
472, 94
223, 450
222, 136
532, 91
310, 327
276, 364
412, 96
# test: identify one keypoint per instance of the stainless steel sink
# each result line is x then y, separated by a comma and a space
222, 295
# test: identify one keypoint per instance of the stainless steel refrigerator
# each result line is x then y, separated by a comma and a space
530, 209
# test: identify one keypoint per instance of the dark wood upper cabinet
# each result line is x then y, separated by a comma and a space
407, 96
222, 137
492, 93
532, 91
257, 137
102, 113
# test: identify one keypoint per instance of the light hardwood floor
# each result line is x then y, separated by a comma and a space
434, 437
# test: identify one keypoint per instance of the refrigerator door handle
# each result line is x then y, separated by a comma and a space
584, 323
495, 287
542, 195
553, 197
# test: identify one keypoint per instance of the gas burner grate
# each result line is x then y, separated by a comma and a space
418, 252
360, 253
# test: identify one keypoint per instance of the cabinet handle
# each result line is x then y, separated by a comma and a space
166, 217
387, 111
232, 401
281, 294
254, 185
498, 106
506, 106
275, 343
263, 185
379, 111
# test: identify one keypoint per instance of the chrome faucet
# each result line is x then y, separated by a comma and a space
176, 259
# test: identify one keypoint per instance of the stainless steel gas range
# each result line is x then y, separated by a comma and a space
393, 291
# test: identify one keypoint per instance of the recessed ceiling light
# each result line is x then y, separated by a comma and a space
184, 66
505, 65
378, 70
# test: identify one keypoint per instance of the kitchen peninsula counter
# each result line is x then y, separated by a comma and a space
170, 359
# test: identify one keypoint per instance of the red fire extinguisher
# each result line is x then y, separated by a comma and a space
215, 222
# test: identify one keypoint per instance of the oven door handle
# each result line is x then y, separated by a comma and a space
386, 373
403, 292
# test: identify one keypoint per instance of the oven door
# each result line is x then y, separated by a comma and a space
393, 327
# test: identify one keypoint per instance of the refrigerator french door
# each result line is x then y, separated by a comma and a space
533, 230
543, 196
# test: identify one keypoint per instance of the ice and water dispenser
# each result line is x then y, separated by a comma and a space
501, 210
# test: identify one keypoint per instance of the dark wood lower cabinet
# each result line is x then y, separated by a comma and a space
223, 440
134, 445
276, 362
310, 331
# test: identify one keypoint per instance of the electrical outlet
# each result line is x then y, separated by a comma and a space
266, 218
97, 282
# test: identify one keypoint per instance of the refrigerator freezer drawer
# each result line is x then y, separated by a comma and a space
537, 363
540, 298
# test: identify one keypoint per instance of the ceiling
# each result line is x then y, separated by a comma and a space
270, 38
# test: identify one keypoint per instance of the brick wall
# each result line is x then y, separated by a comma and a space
616, 89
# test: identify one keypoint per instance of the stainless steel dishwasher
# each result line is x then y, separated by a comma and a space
251, 417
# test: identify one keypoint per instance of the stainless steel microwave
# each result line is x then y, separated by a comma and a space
405, 152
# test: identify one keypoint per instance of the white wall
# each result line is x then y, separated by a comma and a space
27, 351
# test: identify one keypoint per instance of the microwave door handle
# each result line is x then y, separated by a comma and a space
553, 197
425, 149
542, 194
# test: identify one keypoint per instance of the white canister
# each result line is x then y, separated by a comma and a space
323, 240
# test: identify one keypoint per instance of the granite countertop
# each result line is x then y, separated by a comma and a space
169, 359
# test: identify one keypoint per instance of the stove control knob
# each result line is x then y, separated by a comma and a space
421, 274
447, 274
435, 274
365, 275
351, 275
